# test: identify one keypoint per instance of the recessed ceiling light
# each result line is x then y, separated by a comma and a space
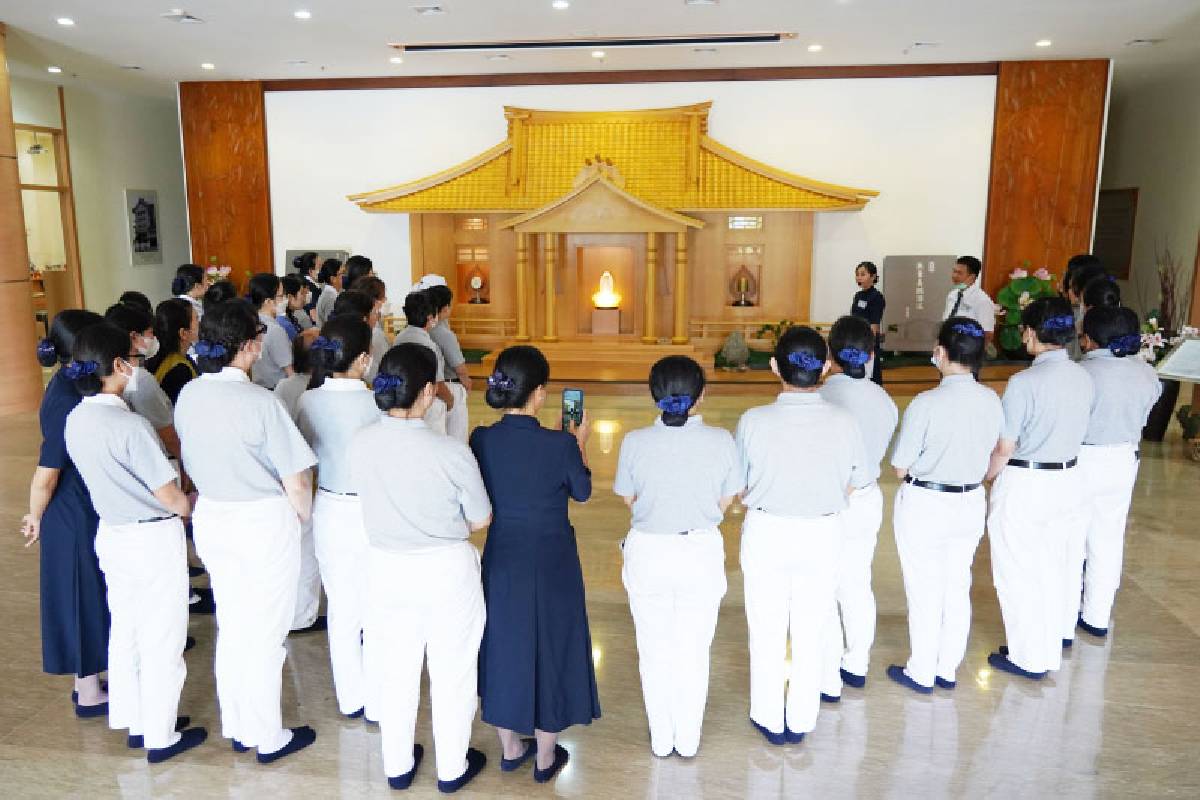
815, 48
302, 14
297, 62
396, 60
130, 66
700, 2
66, 22
560, 5
597, 54
182, 17
207, 65
1043, 43
704, 50
429, 10
498, 57
1144, 42
54, 70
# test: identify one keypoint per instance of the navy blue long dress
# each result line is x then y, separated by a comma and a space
535, 660
74, 603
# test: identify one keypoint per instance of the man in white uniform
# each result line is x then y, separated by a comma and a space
967, 298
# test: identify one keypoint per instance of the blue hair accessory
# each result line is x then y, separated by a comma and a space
206, 349
1062, 322
1125, 345
78, 369
322, 343
498, 380
805, 361
974, 331
46, 349
675, 403
386, 383
852, 356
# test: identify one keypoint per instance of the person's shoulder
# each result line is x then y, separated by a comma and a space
716, 435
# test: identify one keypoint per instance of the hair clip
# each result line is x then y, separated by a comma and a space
322, 343
1062, 322
46, 349
206, 349
1125, 345
498, 380
78, 369
386, 383
967, 329
805, 361
853, 357
675, 403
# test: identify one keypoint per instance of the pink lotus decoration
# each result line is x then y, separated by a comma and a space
1042, 274
1017, 274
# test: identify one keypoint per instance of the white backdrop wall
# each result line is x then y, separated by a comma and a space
924, 143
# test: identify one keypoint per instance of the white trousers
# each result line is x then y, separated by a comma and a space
675, 585
1034, 517
425, 604
252, 551
790, 570
937, 534
341, 545
855, 600
145, 568
1108, 475
308, 587
457, 423
435, 417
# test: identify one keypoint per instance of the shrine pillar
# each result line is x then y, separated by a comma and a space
522, 287
648, 332
680, 335
550, 244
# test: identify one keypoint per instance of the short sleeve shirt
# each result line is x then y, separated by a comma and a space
447, 342
120, 459
149, 400
421, 336
975, 304
329, 416
289, 390
873, 410
678, 476
949, 432
238, 440
869, 304
1045, 408
1126, 388
276, 354
325, 303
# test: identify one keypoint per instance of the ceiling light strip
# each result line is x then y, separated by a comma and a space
592, 43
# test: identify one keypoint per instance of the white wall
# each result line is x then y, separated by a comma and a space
924, 143
117, 141
1154, 145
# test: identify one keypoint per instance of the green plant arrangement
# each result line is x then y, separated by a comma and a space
773, 332
1021, 290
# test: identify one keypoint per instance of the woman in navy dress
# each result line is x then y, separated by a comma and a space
868, 304
535, 661
74, 606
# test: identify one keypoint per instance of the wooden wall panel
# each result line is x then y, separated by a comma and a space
1045, 164
225, 161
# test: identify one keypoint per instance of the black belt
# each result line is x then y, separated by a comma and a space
952, 488
156, 519
1020, 462
453, 380
339, 494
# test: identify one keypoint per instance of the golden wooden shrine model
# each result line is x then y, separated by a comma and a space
689, 230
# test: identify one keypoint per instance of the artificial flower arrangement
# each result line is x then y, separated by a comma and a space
1156, 342
1021, 290
218, 273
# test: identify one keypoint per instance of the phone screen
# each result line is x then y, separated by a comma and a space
572, 408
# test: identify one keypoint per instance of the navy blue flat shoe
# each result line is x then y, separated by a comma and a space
189, 643
206, 604
1000, 661
302, 737
401, 782
1099, 633
509, 764
856, 681
318, 625
357, 714
897, 673
192, 737
196, 572
1003, 650
1067, 643
238, 747
945, 684
830, 698
138, 742
791, 736
91, 712
561, 757
773, 738
475, 762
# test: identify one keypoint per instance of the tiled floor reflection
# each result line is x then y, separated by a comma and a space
1122, 718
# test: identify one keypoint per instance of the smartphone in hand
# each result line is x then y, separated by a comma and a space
572, 408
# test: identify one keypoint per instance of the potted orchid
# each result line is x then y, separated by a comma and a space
1021, 290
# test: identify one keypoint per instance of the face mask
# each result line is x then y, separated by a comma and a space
149, 347
958, 287
131, 386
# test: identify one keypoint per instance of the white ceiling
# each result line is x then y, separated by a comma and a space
349, 38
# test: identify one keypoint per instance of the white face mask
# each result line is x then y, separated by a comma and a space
131, 385
149, 347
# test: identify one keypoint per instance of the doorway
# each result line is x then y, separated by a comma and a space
592, 261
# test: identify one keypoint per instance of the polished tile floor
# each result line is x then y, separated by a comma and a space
1122, 719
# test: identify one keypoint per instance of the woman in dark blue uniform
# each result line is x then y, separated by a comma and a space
869, 304
74, 607
535, 661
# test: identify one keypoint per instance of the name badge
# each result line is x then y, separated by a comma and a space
862, 303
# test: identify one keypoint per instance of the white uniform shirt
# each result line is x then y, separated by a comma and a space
872, 409
975, 304
1126, 388
1045, 408
452, 354
238, 440
276, 354
949, 432
379, 348
289, 390
678, 476
197, 306
329, 417
421, 336
149, 400
325, 303
799, 455
417, 487
120, 459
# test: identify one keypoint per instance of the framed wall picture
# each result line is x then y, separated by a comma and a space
141, 217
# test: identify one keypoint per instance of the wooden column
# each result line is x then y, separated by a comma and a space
21, 389
680, 335
551, 246
522, 288
649, 336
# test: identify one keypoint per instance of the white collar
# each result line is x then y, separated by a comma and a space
343, 385
401, 422
694, 421
229, 374
789, 398
106, 400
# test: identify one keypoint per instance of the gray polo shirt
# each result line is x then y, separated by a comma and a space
447, 342
238, 440
150, 400
329, 418
1045, 408
421, 336
379, 348
418, 488
289, 390
678, 475
949, 432
120, 459
872, 409
799, 455
276, 354
1126, 389
325, 303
